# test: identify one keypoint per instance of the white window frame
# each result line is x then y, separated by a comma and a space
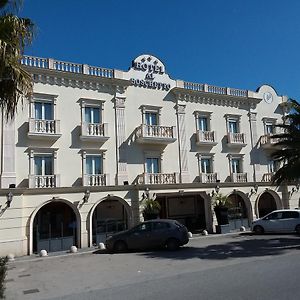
205, 114
233, 118
93, 103
155, 155
209, 156
43, 98
268, 122
240, 157
151, 109
42, 152
92, 152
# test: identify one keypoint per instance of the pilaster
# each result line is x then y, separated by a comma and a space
121, 155
183, 151
8, 155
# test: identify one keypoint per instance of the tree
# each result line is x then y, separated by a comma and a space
15, 34
288, 154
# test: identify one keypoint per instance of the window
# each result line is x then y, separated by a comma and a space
272, 166
92, 115
152, 165
206, 165
94, 165
236, 165
151, 118
43, 110
160, 226
232, 126
43, 165
290, 215
150, 115
143, 227
203, 123
269, 128
274, 216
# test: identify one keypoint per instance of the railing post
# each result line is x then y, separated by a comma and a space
51, 63
85, 69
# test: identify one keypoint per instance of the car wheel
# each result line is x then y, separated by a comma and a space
172, 244
297, 229
258, 229
120, 246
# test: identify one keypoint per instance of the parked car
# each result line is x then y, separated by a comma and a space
284, 220
150, 234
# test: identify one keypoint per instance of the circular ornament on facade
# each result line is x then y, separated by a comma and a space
268, 97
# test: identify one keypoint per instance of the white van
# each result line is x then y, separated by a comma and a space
284, 220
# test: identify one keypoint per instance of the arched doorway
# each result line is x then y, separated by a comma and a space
54, 228
187, 208
237, 212
266, 204
109, 216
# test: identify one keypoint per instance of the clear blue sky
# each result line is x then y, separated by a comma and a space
235, 43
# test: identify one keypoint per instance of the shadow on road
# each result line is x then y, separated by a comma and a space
257, 247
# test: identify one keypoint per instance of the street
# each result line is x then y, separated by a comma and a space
235, 266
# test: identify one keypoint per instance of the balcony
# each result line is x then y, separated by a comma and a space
208, 177
239, 177
205, 138
158, 178
95, 180
155, 134
94, 132
236, 139
43, 181
44, 129
268, 143
267, 177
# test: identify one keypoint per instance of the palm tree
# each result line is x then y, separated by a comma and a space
289, 143
15, 34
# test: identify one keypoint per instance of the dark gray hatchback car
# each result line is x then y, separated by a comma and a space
149, 234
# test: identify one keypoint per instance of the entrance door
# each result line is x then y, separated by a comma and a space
54, 228
237, 212
266, 204
110, 216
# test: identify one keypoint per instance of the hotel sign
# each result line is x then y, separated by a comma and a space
152, 68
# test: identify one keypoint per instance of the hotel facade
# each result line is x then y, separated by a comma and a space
91, 143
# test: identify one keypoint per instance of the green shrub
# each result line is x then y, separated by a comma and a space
3, 269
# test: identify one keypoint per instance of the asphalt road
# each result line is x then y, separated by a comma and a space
223, 267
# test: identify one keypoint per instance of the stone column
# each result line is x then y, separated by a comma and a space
8, 167
182, 144
255, 155
121, 155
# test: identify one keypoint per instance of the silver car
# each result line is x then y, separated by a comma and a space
150, 234
284, 220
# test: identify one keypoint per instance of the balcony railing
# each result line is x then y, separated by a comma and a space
43, 181
44, 128
239, 177
155, 134
94, 131
209, 177
95, 180
52, 64
205, 137
267, 177
238, 139
158, 178
200, 87
266, 141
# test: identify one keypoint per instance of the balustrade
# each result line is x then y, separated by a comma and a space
95, 180
267, 139
209, 177
42, 181
236, 138
155, 131
206, 136
267, 177
158, 178
239, 177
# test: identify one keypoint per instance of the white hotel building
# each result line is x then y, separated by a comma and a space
91, 141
